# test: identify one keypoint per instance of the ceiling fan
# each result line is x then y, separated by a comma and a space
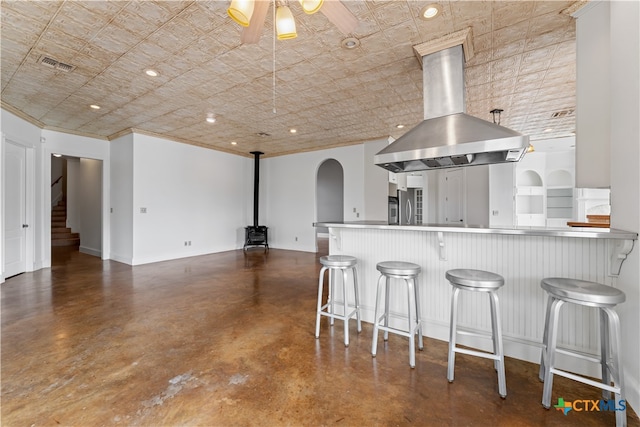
252, 13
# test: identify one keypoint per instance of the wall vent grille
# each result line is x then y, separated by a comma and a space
562, 113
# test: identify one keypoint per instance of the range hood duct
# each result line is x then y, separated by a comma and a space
448, 137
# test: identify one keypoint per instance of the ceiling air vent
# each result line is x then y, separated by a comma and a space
52, 63
562, 113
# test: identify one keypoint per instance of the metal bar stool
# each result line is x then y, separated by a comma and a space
335, 263
408, 272
477, 281
589, 294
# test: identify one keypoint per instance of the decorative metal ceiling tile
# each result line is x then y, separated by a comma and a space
524, 63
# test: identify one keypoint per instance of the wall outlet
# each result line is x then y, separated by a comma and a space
354, 210
296, 238
185, 243
189, 242
358, 215
143, 210
494, 213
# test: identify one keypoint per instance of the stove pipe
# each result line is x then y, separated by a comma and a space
256, 185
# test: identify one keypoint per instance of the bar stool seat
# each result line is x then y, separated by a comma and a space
408, 272
335, 263
589, 294
477, 281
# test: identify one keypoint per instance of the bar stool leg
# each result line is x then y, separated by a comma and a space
346, 307
386, 309
498, 349
545, 337
550, 353
412, 337
320, 287
418, 317
331, 308
604, 352
355, 291
376, 319
616, 362
452, 334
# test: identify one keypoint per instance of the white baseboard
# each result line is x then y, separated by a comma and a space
90, 251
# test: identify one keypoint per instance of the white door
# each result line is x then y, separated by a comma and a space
454, 196
15, 224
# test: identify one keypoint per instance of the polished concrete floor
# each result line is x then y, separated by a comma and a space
228, 340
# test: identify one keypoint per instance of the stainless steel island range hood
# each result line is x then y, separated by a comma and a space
448, 137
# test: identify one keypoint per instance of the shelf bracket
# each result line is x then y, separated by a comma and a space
618, 251
335, 236
443, 254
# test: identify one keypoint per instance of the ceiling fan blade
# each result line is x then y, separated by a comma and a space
339, 16
252, 33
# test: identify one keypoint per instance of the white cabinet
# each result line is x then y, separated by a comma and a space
399, 179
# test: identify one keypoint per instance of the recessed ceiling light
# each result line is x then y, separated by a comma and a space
292, 130
400, 126
430, 11
234, 143
350, 43
57, 155
211, 118
548, 130
151, 73
94, 106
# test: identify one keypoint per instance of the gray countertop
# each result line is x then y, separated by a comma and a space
583, 232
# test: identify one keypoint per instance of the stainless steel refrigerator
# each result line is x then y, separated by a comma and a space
407, 208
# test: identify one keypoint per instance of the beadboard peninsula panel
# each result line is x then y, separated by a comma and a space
522, 260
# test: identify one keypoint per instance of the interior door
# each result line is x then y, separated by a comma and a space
15, 210
454, 196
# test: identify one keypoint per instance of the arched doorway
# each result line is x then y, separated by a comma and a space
329, 198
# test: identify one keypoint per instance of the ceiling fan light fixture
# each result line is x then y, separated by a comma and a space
285, 24
311, 6
241, 11
430, 11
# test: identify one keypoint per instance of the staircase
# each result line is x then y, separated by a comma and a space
61, 235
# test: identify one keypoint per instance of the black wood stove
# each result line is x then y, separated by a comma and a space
256, 235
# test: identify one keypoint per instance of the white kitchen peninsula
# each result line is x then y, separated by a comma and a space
523, 256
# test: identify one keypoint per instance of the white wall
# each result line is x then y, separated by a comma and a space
625, 176
90, 206
593, 73
191, 194
74, 197
376, 182
501, 193
477, 195
288, 194
120, 202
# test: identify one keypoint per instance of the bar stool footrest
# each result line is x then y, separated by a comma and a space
401, 332
339, 316
477, 353
584, 380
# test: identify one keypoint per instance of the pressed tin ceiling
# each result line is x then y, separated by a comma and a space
524, 64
